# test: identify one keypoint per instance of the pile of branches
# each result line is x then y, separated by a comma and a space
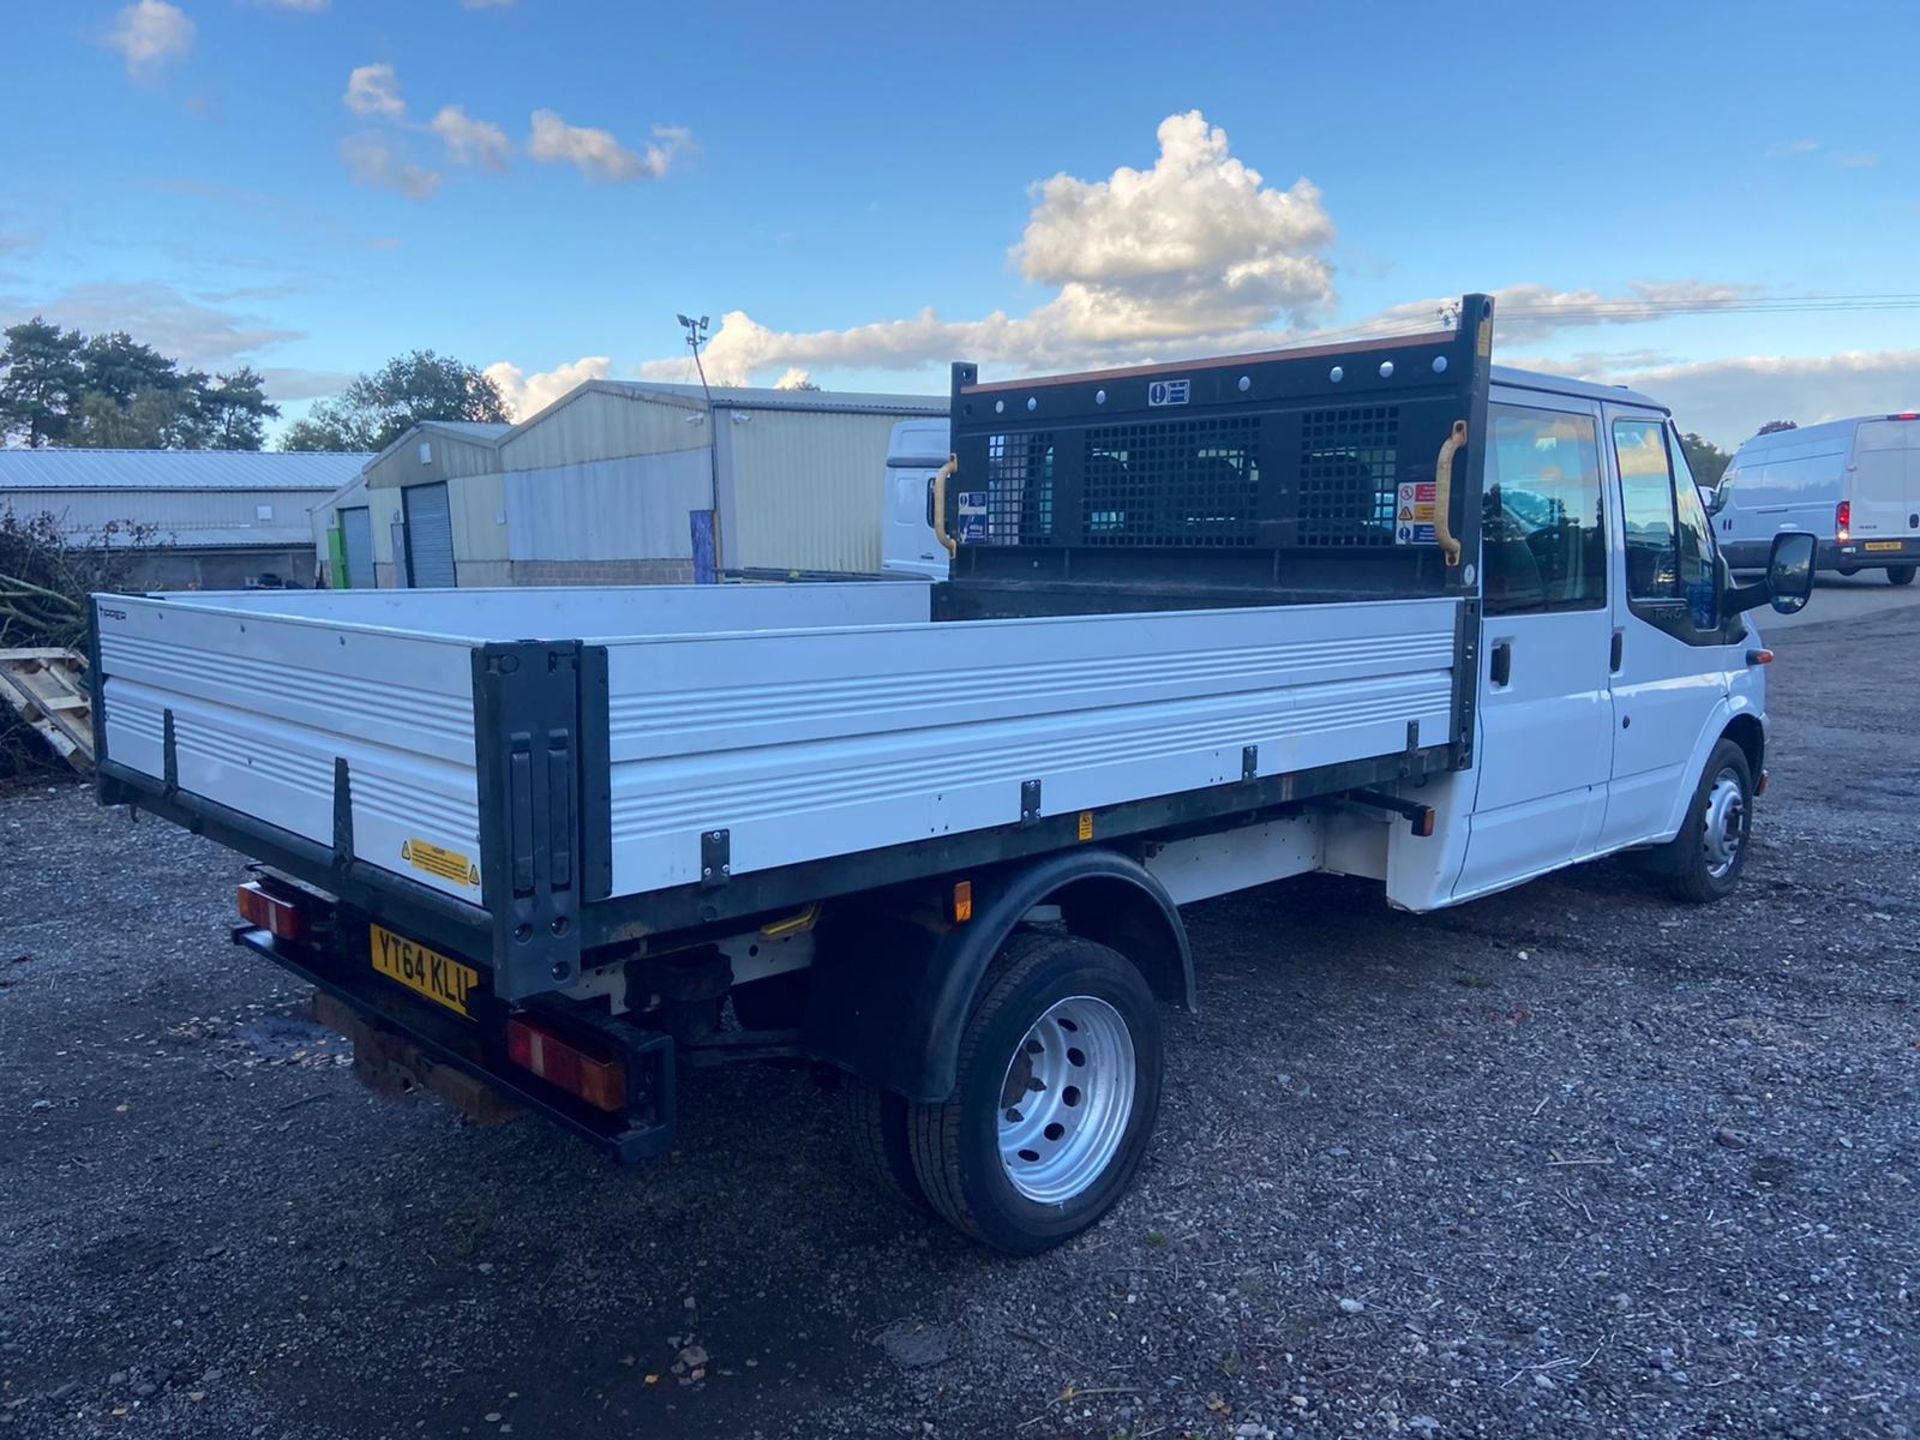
45, 578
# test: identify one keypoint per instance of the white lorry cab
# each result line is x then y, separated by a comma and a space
915, 452
1854, 484
1375, 609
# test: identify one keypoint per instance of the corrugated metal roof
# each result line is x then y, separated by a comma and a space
51, 469
744, 397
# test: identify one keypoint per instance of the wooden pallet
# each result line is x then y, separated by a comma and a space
48, 689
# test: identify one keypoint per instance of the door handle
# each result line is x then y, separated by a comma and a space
1501, 669
1619, 651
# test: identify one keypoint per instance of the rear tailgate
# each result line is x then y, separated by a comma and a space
260, 706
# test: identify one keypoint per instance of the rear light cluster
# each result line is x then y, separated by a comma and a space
279, 916
1842, 520
602, 1083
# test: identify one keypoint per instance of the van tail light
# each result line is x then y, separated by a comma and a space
601, 1082
1842, 520
1906, 415
276, 914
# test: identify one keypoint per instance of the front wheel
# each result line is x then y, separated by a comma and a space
1705, 859
1901, 574
1058, 1086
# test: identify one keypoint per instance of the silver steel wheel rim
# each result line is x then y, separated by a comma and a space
1724, 823
1066, 1100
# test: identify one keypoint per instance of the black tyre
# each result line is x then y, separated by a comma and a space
1704, 861
1846, 572
877, 1137
1901, 574
1058, 1086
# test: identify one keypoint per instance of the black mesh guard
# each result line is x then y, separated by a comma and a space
1245, 480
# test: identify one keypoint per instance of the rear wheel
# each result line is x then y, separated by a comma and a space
877, 1132
1058, 1086
1901, 574
1705, 859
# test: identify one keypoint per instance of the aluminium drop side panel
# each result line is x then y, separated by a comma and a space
804, 745
262, 706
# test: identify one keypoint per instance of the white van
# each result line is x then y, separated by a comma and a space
915, 451
1854, 483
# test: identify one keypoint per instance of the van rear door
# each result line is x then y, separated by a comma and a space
1886, 480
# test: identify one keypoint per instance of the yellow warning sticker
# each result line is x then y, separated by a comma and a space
1086, 824
440, 861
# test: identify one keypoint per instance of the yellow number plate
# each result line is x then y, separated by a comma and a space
1883, 544
441, 978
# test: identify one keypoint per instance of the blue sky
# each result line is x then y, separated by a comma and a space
210, 175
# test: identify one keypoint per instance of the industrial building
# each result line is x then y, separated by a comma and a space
398, 522
205, 519
604, 485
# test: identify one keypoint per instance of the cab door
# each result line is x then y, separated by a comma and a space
1673, 651
1545, 715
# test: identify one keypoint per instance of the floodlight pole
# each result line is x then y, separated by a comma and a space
696, 335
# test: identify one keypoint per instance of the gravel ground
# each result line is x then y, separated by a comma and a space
1568, 1161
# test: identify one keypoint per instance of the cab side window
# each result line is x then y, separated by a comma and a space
1669, 544
1542, 543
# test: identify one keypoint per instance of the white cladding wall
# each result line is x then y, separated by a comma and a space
192, 512
326, 510
479, 506
803, 490
633, 508
603, 425
450, 456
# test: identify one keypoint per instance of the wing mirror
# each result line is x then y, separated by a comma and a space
1789, 582
1714, 498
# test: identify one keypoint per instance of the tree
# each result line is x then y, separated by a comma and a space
378, 408
1706, 459
110, 390
234, 411
41, 378
1774, 427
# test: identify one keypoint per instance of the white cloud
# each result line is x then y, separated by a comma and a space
598, 155
472, 142
1793, 147
291, 383
794, 379
1198, 252
376, 163
197, 329
374, 90
1856, 160
1526, 314
148, 34
527, 394
1727, 400
1199, 242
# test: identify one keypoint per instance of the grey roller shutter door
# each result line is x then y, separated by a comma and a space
429, 537
356, 537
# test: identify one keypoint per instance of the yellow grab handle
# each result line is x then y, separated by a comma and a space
1443, 492
940, 504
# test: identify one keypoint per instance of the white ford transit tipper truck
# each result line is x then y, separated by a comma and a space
1378, 609
1853, 484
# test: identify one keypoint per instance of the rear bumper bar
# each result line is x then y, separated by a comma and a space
641, 1132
